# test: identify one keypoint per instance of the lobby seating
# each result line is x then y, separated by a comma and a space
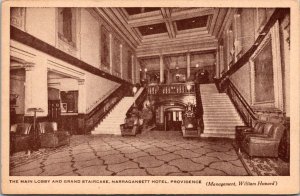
262, 140
190, 126
20, 137
132, 125
51, 137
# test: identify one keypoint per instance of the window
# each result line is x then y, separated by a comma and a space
105, 48
67, 25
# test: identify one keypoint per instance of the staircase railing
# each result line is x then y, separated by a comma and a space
244, 109
171, 89
199, 110
139, 101
88, 121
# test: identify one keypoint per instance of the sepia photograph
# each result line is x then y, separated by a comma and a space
125, 92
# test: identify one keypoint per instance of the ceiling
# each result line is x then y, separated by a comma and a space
164, 30
155, 31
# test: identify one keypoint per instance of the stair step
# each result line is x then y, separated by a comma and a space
111, 123
223, 124
217, 135
212, 121
219, 131
219, 116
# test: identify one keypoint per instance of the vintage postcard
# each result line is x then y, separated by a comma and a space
153, 97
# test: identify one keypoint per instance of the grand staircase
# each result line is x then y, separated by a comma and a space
219, 114
111, 123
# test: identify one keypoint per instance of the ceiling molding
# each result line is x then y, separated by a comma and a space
213, 21
117, 26
183, 49
166, 43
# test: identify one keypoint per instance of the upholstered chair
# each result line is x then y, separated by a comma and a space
51, 137
20, 137
264, 145
132, 125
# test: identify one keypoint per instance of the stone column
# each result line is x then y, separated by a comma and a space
137, 71
188, 65
161, 68
132, 70
110, 55
221, 61
217, 65
36, 87
81, 97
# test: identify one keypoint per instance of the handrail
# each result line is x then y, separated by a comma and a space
139, 101
243, 108
243, 101
91, 107
199, 100
97, 114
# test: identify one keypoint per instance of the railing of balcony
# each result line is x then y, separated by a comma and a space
169, 89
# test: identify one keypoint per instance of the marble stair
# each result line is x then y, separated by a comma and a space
219, 114
111, 123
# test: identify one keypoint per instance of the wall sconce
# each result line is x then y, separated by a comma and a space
145, 69
197, 65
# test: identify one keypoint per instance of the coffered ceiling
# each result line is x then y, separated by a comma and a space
162, 30
171, 32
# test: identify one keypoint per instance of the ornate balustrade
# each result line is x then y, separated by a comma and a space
169, 89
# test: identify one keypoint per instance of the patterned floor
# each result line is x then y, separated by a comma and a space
154, 153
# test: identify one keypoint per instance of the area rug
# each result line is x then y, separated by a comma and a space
20, 158
263, 166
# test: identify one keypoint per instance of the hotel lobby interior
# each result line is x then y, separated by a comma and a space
149, 91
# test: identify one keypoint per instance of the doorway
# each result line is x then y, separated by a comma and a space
173, 119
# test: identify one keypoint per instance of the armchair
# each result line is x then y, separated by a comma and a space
266, 144
20, 137
51, 137
259, 128
132, 125
190, 126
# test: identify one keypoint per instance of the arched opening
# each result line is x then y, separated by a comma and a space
169, 115
173, 118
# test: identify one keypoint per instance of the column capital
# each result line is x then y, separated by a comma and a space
81, 82
29, 66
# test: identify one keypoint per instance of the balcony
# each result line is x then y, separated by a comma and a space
172, 89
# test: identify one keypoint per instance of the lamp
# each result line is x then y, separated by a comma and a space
35, 134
